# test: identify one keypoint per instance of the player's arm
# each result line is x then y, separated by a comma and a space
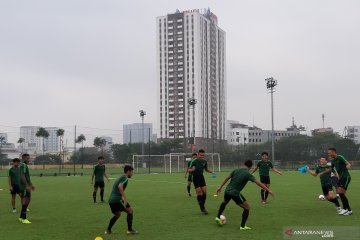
10, 182
122, 192
263, 187
348, 165
105, 175
255, 170
92, 176
218, 190
324, 172
23, 179
277, 171
207, 169
191, 169
312, 173
186, 172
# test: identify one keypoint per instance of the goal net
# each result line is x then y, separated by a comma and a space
171, 163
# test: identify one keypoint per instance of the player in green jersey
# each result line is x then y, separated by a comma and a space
238, 179
26, 187
341, 166
264, 167
325, 180
99, 173
197, 167
118, 202
14, 182
189, 175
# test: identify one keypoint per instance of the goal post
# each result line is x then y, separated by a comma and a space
170, 163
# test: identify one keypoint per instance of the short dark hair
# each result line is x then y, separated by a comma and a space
248, 163
128, 168
332, 149
194, 154
322, 156
201, 151
25, 155
16, 160
265, 153
101, 158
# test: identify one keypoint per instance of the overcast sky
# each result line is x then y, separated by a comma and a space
92, 63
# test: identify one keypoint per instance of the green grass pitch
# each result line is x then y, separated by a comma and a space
62, 208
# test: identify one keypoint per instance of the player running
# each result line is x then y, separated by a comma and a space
14, 182
99, 173
26, 187
341, 166
190, 177
197, 168
325, 179
264, 167
118, 202
239, 178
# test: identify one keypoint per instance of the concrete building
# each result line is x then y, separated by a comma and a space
191, 65
322, 130
4, 137
31, 142
132, 133
353, 133
52, 143
243, 134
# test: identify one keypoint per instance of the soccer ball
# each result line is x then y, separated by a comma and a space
322, 197
98, 238
223, 219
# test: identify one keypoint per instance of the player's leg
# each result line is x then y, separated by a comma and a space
262, 191
13, 197
116, 210
203, 190
327, 191
222, 207
129, 219
267, 183
188, 188
25, 201
96, 186
102, 187
246, 211
197, 185
341, 190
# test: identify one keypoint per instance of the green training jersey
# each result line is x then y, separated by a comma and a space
239, 178
339, 165
325, 178
115, 196
24, 169
189, 165
200, 165
14, 174
264, 167
99, 171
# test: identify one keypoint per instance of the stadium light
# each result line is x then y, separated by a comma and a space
271, 83
192, 102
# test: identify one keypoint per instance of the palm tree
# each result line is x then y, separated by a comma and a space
60, 134
42, 133
100, 143
21, 141
80, 139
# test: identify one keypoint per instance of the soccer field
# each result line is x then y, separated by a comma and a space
62, 208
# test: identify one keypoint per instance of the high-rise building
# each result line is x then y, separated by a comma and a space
353, 133
133, 133
191, 64
52, 143
31, 142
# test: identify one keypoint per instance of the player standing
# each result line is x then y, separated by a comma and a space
118, 202
264, 167
341, 166
99, 173
325, 179
190, 177
197, 168
14, 182
239, 178
26, 187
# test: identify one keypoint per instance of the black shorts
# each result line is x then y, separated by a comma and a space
265, 179
334, 181
99, 184
25, 193
326, 189
240, 199
118, 207
199, 181
16, 189
344, 182
190, 178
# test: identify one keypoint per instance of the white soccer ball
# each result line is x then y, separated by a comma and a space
322, 197
223, 219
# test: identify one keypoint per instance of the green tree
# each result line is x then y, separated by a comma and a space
21, 142
60, 134
80, 139
121, 152
100, 143
43, 134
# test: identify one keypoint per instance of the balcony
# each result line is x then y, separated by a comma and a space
179, 20
180, 63
180, 106
170, 21
180, 44
171, 69
180, 94
179, 26
171, 88
171, 52
180, 69
171, 94
180, 81
180, 33
170, 28
181, 112
180, 100
181, 88
180, 39
171, 58
170, 33
180, 57
180, 51
180, 75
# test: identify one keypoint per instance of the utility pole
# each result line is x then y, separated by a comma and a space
74, 149
323, 120
271, 83
142, 115
192, 102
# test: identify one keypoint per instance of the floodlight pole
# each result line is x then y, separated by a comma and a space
142, 115
271, 83
192, 102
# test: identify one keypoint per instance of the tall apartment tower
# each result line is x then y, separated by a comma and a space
191, 64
